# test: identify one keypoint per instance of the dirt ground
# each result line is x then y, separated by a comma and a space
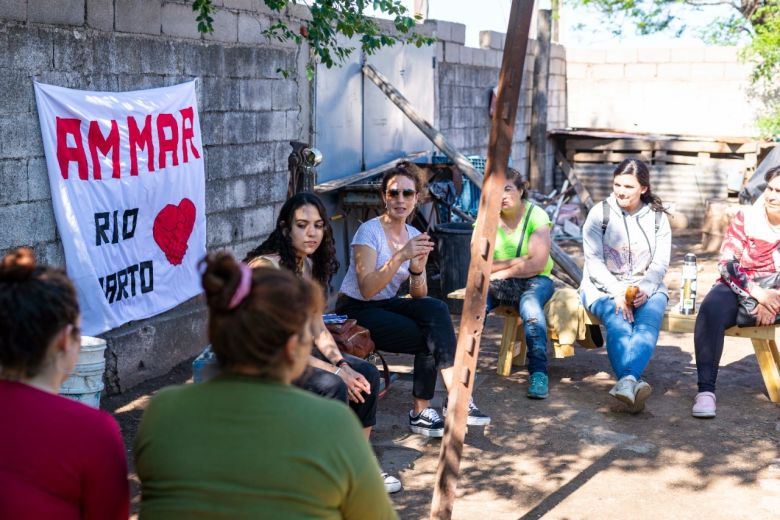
577, 454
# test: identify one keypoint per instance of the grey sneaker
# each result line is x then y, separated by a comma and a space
428, 423
631, 392
623, 390
642, 391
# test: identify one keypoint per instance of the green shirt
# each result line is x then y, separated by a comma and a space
506, 244
239, 447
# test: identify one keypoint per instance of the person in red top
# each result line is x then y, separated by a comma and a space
58, 458
750, 253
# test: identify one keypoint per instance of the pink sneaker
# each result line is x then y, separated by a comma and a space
704, 405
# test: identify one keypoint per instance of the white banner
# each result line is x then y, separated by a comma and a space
128, 188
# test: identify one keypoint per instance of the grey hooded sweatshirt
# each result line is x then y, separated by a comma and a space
630, 252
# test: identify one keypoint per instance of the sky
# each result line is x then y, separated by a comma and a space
481, 15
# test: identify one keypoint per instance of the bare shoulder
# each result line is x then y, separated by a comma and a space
270, 260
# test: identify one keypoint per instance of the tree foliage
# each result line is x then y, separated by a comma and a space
329, 19
754, 21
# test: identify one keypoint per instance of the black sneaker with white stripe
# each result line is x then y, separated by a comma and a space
428, 423
475, 417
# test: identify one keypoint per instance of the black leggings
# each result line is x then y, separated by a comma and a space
419, 326
327, 384
717, 313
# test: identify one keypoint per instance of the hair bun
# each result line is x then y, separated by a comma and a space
220, 279
18, 265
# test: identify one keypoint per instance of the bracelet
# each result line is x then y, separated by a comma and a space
415, 274
341, 362
337, 371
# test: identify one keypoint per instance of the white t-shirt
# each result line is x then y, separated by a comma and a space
372, 234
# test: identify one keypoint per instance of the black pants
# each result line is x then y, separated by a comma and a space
327, 384
717, 313
419, 326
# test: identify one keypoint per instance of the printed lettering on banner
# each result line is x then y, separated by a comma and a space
128, 188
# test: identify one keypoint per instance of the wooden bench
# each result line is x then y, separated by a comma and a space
513, 348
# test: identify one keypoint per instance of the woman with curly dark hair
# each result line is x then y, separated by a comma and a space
318, 256
302, 242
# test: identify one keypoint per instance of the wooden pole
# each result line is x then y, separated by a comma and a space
482, 245
425, 127
539, 174
582, 192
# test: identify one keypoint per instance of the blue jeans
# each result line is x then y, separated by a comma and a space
630, 345
531, 309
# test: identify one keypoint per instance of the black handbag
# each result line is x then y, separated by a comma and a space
747, 304
507, 291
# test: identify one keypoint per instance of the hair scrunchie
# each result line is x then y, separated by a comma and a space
243, 288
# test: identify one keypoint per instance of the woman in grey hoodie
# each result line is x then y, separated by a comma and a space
627, 243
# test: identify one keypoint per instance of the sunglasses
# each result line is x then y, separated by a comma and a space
407, 194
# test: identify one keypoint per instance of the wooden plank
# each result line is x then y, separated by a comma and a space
482, 245
766, 354
365, 175
608, 156
667, 145
566, 263
539, 177
436, 137
582, 192
507, 349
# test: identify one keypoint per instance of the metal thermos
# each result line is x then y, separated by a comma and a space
688, 285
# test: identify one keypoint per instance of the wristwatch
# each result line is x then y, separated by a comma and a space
341, 362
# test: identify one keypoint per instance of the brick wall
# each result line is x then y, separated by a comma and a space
466, 77
695, 91
248, 113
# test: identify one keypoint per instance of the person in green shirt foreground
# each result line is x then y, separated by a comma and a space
523, 251
247, 444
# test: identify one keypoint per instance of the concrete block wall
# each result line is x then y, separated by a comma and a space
248, 113
466, 77
694, 91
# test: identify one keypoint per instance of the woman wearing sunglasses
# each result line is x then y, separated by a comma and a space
58, 458
386, 252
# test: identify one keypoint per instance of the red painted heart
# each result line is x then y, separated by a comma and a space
172, 229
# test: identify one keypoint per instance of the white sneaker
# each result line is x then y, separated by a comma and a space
623, 390
392, 484
632, 392
642, 391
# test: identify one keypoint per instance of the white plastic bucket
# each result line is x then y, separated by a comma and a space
86, 382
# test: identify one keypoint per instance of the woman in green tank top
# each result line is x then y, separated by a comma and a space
523, 252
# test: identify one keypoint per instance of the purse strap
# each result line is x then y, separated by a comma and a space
525, 225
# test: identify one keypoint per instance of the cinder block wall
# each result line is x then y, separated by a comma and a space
248, 113
466, 77
695, 91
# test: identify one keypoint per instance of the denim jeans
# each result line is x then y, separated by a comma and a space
531, 309
630, 345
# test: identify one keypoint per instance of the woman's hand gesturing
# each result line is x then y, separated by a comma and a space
419, 246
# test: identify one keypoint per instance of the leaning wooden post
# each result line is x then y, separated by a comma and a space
540, 177
482, 244
425, 127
